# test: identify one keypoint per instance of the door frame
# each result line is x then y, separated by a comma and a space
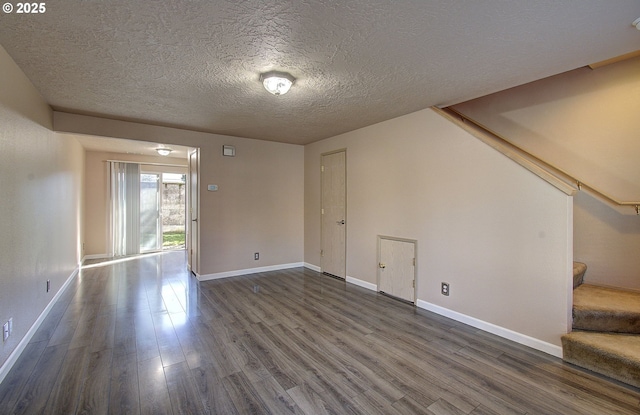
415, 265
322, 232
193, 209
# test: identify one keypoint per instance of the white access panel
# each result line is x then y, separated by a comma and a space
397, 267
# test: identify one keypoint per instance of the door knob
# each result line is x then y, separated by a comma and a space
340, 222
194, 220
381, 265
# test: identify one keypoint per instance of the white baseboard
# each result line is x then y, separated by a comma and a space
94, 256
363, 284
352, 280
13, 357
520, 338
227, 274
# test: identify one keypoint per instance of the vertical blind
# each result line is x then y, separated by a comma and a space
125, 208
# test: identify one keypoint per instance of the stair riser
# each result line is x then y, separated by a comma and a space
606, 322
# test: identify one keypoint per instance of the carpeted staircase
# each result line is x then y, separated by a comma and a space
606, 330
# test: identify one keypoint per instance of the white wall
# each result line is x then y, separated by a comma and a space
585, 122
498, 234
40, 208
607, 242
258, 207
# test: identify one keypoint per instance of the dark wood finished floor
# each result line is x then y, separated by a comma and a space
144, 337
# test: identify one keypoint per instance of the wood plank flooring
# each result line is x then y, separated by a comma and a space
144, 337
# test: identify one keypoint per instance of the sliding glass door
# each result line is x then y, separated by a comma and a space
150, 212
138, 196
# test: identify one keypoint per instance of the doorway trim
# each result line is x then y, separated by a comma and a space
193, 209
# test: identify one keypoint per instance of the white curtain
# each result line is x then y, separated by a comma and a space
125, 208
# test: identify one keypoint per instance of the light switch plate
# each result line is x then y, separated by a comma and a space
229, 151
5, 331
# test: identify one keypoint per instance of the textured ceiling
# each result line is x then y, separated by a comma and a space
195, 64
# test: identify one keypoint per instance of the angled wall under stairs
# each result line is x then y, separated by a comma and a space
606, 335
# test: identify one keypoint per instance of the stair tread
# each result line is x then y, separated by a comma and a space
624, 345
579, 267
579, 270
611, 344
616, 355
593, 297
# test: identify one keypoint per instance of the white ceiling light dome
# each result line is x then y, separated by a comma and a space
277, 83
163, 151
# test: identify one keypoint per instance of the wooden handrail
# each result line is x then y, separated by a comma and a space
555, 176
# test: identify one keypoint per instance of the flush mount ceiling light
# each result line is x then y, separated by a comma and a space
278, 83
163, 151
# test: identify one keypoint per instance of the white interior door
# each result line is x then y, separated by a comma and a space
397, 267
193, 227
334, 214
150, 212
